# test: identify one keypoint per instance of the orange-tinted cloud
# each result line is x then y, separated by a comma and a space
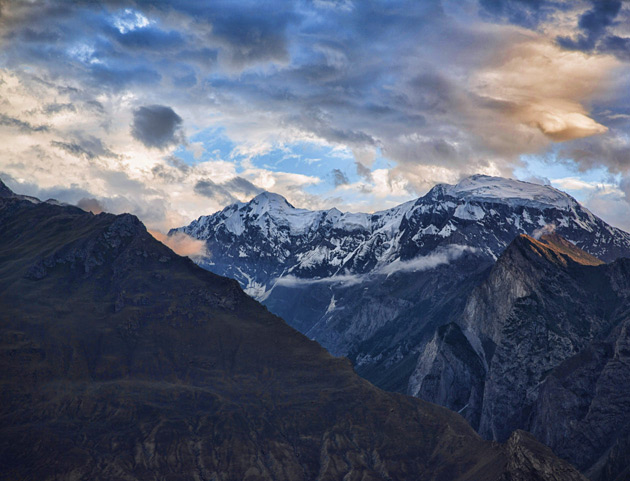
181, 243
537, 84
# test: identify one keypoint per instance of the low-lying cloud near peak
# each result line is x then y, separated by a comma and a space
181, 243
437, 258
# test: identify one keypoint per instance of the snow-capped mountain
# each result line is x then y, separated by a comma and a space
267, 239
375, 286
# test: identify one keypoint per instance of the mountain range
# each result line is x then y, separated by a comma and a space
374, 287
503, 300
121, 360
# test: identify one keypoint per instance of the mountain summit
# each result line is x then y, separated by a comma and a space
485, 188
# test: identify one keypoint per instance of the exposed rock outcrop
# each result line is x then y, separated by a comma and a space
549, 326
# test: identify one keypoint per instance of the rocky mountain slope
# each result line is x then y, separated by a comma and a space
375, 287
122, 360
543, 345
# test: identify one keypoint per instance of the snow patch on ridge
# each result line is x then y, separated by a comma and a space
482, 188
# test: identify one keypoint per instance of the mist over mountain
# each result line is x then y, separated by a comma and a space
121, 360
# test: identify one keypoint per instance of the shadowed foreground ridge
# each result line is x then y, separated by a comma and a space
544, 346
122, 360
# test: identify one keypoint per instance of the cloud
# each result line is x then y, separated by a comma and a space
56, 108
151, 39
182, 244
612, 151
536, 179
614, 202
225, 192
413, 92
90, 205
89, 147
431, 261
527, 13
363, 171
544, 230
440, 256
538, 86
212, 190
156, 126
339, 178
589, 25
593, 25
242, 186
343, 279
21, 125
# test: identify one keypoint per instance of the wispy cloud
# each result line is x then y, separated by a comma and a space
441, 256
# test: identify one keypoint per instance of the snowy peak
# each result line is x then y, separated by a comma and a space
269, 202
485, 188
267, 239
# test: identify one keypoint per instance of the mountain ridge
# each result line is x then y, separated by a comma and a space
541, 345
372, 286
122, 360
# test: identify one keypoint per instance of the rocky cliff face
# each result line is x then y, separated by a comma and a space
543, 347
122, 360
375, 287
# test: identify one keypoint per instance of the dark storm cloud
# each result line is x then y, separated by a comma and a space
156, 126
339, 178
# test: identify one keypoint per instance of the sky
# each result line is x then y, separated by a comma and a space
175, 109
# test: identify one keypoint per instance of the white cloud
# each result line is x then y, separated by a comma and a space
441, 256
431, 261
575, 183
